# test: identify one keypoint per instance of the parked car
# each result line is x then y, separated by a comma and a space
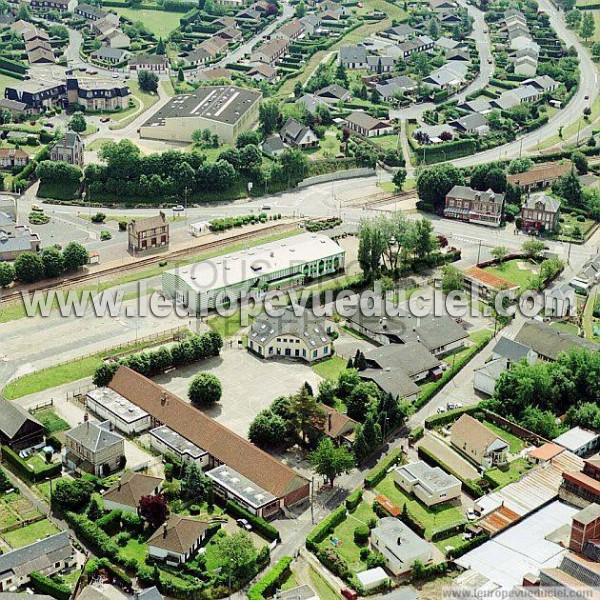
440, 410
104, 119
178, 208
115, 76
244, 524
265, 207
454, 405
349, 594
49, 125
471, 514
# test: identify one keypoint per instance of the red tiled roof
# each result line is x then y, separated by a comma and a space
539, 174
489, 279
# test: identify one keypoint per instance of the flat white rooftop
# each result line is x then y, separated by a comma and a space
116, 404
576, 438
522, 548
231, 269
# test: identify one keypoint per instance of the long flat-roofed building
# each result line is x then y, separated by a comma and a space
276, 265
165, 440
225, 110
122, 414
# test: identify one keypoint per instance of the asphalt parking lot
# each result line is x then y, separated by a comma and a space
249, 384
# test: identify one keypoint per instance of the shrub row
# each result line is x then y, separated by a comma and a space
448, 531
24, 470
224, 223
268, 584
471, 487
354, 499
474, 542
431, 571
259, 524
100, 542
44, 585
95, 564
12, 65
325, 527
416, 434
378, 472
449, 416
110, 521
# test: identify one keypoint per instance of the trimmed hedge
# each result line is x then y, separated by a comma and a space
379, 471
468, 546
471, 487
44, 585
325, 527
26, 471
12, 65
259, 524
361, 534
449, 416
268, 584
416, 433
110, 521
99, 541
354, 499
448, 531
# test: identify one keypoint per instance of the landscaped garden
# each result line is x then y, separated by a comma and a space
23, 536
518, 271
505, 475
515, 444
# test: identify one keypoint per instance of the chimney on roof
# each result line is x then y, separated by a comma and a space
164, 530
86, 417
329, 421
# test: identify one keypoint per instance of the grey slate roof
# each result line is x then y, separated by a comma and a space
472, 121
412, 358
400, 30
37, 556
335, 90
389, 87
294, 130
548, 341
396, 383
94, 436
106, 52
550, 204
364, 120
273, 144
466, 193
13, 417
478, 105
149, 594
511, 349
311, 102
70, 139
353, 54
386, 61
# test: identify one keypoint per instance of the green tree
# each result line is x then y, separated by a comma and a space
193, 482
205, 389
161, 48
307, 414
267, 429
294, 165
7, 274
247, 137
570, 188
300, 9
588, 26
72, 494
298, 89
362, 398
5, 483
53, 261
268, 116
24, 13
78, 123
326, 394
580, 161
499, 253
94, 512
451, 279
573, 18
434, 183
329, 461
399, 178
29, 267
237, 555
180, 75
533, 249
424, 242
520, 165
75, 256
341, 76
148, 81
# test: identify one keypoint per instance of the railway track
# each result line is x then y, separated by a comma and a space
149, 261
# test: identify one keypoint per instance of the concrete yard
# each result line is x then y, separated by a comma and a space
249, 384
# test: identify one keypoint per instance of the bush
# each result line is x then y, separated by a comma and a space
449, 531
122, 538
194, 509
354, 499
105, 235
335, 563
110, 521
25, 471
468, 545
44, 585
361, 534
448, 417
260, 525
132, 522
98, 541
268, 584
416, 434
378, 473
325, 527
98, 218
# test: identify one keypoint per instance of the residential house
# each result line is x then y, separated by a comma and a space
588, 276
177, 540
396, 86
292, 30
290, 336
214, 46
579, 441
223, 445
165, 440
231, 3
14, 107
103, 26
229, 34
486, 376
224, 22
400, 546
152, 62
525, 65
125, 495
303, 592
446, 43
474, 206
41, 56
116, 39
442, 5
248, 14
338, 426
353, 57
540, 176
118, 411
544, 83
91, 13
149, 233
398, 384
371, 579
198, 56
48, 556
273, 145
270, 52
540, 213
16, 239
548, 342
111, 56
560, 301
412, 358
263, 72
311, 24
333, 93
452, 74
33, 33
431, 485
380, 64
448, 19
69, 148
478, 443
479, 105
19, 428
399, 33
97, 94
459, 54
311, 102
13, 157
61, 6
93, 448
331, 16
473, 123
513, 351
366, 125
421, 43
37, 43
297, 135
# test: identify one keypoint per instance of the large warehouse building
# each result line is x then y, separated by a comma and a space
224, 110
276, 265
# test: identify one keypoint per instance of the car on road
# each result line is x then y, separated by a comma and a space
490, 61
440, 410
92, 72
244, 524
454, 405
587, 97
471, 514
104, 119
115, 76
178, 208
265, 207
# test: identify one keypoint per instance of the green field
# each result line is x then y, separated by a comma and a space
510, 271
515, 444
30, 533
51, 421
159, 22
330, 368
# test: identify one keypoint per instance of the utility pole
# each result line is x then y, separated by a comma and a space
312, 499
479, 251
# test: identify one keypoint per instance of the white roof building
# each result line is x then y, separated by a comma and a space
579, 441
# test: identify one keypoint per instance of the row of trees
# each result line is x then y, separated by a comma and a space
535, 395
50, 262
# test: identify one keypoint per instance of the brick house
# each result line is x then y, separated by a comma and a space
68, 149
152, 232
540, 213
467, 204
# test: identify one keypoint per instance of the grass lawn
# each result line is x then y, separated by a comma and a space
455, 541
329, 146
568, 225
432, 518
43, 488
159, 22
134, 549
143, 99
71, 578
515, 444
51, 421
513, 473
5, 81
387, 141
510, 271
322, 587
228, 326
566, 327
30, 533
290, 583
330, 368
96, 144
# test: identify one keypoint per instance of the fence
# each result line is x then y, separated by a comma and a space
336, 176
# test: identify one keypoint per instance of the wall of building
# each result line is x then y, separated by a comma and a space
120, 424
161, 447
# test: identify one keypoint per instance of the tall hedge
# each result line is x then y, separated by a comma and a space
378, 472
259, 524
268, 584
325, 527
44, 585
26, 471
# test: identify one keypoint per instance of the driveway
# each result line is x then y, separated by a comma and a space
449, 457
249, 384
